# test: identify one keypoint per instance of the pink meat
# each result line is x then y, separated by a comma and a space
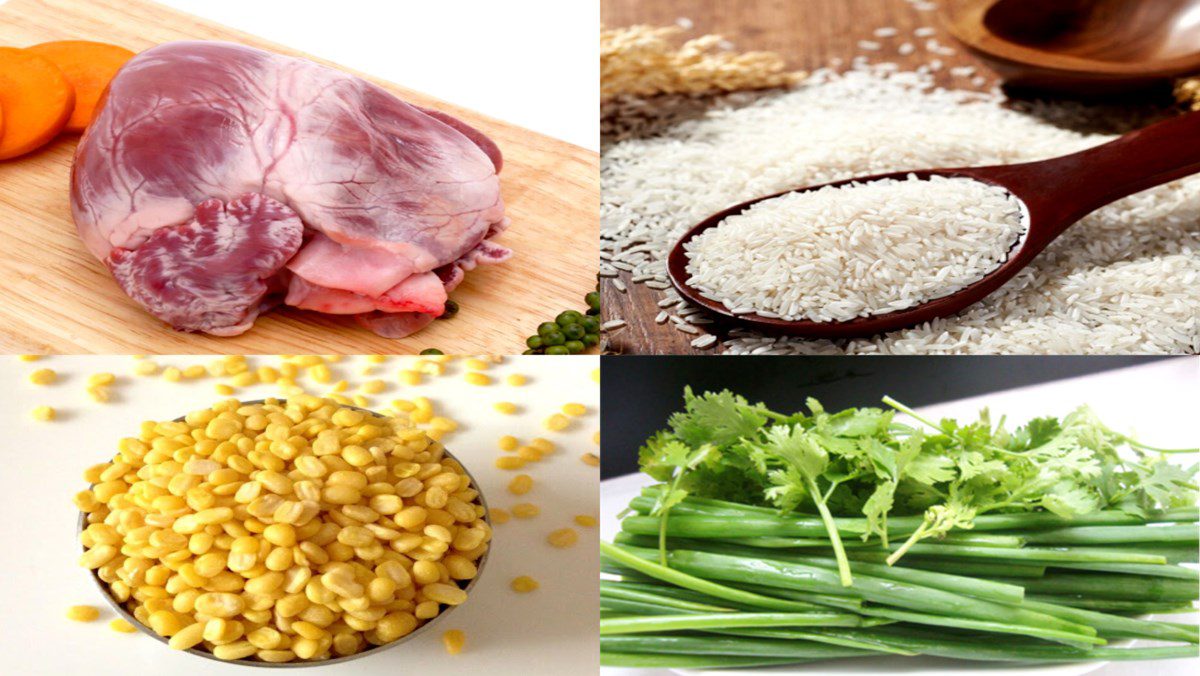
394, 202
211, 273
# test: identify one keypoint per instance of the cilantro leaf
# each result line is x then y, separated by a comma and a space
719, 419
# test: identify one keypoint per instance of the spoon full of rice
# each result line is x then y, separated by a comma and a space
879, 253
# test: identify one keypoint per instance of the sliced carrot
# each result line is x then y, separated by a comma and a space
37, 100
89, 66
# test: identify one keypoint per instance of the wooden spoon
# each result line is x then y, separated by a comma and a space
1081, 47
1055, 193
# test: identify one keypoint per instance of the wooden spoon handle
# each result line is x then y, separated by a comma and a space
1063, 190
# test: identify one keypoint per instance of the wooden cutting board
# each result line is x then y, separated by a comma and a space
57, 298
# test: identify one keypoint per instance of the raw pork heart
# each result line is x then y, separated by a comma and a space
218, 180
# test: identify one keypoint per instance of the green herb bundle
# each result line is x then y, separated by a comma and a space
776, 538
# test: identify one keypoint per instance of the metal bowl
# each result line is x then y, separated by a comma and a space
128, 616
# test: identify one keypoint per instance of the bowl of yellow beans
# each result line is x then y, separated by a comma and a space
283, 533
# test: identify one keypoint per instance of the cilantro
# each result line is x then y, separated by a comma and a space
806, 461
718, 419
861, 462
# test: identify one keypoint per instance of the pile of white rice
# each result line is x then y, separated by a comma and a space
1124, 280
857, 250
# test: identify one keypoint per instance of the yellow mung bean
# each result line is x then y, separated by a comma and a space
575, 410
508, 443
525, 510
244, 379
288, 530
586, 521
524, 584
121, 625
43, 377
505, 407
516, 380
98, 379
509, 462
44, 413
83, 613
454, 640
556, 423
529, 453
563, 538
590, 459
477, 378
520, 484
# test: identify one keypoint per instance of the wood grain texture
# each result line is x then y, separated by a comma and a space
57, 298
809, 34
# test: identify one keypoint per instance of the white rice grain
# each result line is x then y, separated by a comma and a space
1125, 279
863, 249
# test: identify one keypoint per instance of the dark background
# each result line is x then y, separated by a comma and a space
637, 394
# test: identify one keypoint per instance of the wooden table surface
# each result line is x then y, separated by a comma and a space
58, 298
809, 34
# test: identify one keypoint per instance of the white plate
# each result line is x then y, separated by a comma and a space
1174, 380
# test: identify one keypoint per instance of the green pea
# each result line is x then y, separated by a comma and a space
573, 346
574, 331
432, 350
557, 349
554, 338
534, 342
546, 327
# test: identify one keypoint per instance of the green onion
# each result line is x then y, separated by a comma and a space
634, 625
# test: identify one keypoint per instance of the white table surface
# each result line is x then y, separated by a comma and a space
1156, 402
550, 631
534, 63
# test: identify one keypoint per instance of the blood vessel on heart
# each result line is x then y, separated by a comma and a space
218, 181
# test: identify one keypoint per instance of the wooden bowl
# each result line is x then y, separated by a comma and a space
1081, 47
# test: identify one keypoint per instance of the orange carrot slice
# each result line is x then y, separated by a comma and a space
89, 66
37, 100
